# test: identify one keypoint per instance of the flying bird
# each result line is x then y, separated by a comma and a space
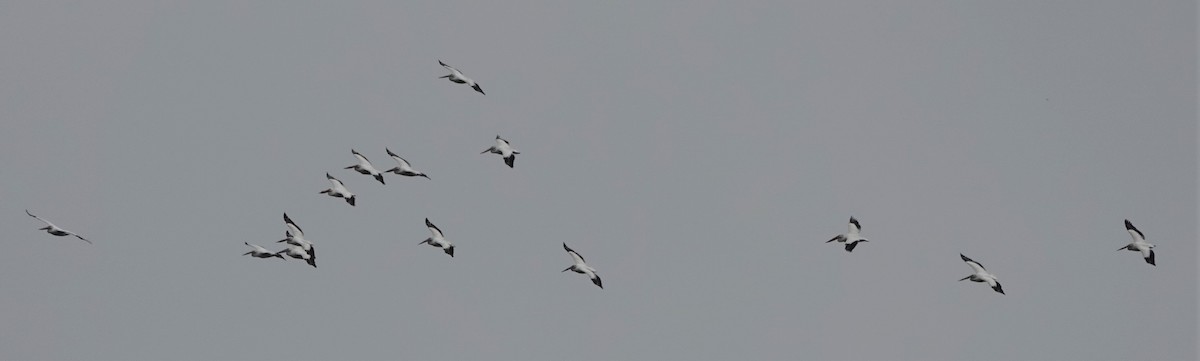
338, 190
297, 253
504, 150
364, 167
55, 230
851, 238
437, 240
581, 267
981, 275
458, 77
1139, 243
260, 252
294, 236
404, 168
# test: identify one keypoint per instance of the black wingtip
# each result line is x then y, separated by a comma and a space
964, 258
350, 200
567, 248
389, 152
998, 288
597, 282
1150, 259
428, 223
450, 251
509, 161
379, 177
1128, 224
478, 89
850, 246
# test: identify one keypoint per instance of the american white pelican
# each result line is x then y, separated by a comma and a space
1139, 243
581, 267
504, 150
404, 168
338, 190
297, 253
851, 238
437, 240
458, 77
260, 252
55, 230
981, 275
364, 167
294, 236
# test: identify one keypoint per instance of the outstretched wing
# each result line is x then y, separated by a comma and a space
361, 159
292, 227
574, 255
854, 226
974, 265
1134, 232
403, 162
450, 68
437, 233
41, 219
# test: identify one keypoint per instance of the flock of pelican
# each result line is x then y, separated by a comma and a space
298, 247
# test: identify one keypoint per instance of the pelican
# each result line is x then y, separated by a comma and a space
338, 190
297, 253
851, 238
294, 236
260, 252
1139, 243
503, 149
404, 168
981, 275
364, 167
54, 230
437, 240
581, 267
458, 77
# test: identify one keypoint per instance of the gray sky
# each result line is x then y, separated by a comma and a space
697, 155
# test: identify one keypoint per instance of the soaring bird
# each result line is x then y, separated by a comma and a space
981, 275
403, 168
297, 253
55, 230
294, 236
364, 167
260, 252
437, 240
458, 77
582, 267
851, 238
504, 150
338, 190
1139, 243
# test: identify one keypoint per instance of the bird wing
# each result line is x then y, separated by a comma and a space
974, 265
292, 227
361, 159
574, 255
437, 233
854, 226
336, 183
41, 219
451, 69
1146, 251
80, 237
1134, 232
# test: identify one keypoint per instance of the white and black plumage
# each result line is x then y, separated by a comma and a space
403, 168
364, 167
1139, 243
437, 240
458, 77
981, 275
294, 236
297, 253
260, 252
851, 238
582, 267
504, 149
338, 190
55, 230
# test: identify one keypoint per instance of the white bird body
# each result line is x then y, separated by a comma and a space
55, 230
364, 167
437, 239
259, 252
580, 266
338, 190
851, 237
295, 236
981, 275
298, 253
403, 167
504, 149
458, 77
1139, 243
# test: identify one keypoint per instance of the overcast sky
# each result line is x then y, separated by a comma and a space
698, 154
